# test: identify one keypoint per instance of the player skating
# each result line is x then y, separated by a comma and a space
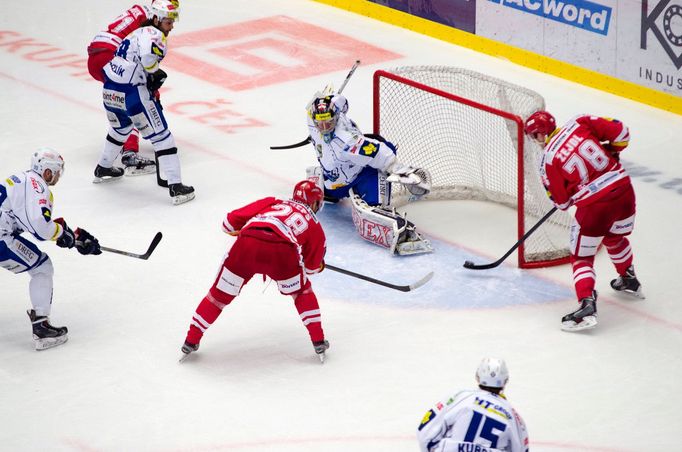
131, 79
362, 167
581, 167
26, 206
281, 239
101, 50
475, 420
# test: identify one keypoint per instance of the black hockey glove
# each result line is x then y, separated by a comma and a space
68, 238
86, 243
156, 79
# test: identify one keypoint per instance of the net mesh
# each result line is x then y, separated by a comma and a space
471, 153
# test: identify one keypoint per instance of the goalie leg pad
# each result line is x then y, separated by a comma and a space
388, 229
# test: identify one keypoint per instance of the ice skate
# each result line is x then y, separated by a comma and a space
585, 317
180, 194
628, 283
411, 242
45, 335
187, 349
136, 165
320, 348
103, 174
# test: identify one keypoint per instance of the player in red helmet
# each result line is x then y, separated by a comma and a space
581, 167
281, 239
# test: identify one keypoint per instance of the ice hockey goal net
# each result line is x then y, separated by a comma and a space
466, 128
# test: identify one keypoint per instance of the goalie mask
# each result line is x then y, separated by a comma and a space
323, 113
539, 125
492, 372
309, 193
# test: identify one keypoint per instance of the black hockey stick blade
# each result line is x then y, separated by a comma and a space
292, 146
471, 266
145, 256
402, 288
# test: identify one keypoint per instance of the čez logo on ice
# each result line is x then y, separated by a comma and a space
577, 13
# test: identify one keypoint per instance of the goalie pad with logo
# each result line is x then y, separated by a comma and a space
387, 228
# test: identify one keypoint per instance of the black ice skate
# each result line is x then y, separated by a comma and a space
103, 174
585, 317
628, 283
45, 335
320, 348
187, 349
136, 165
180, 193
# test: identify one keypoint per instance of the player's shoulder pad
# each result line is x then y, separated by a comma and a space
428, 417
37, 183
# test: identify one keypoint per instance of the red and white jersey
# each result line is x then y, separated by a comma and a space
474, 420
292, 221
121, 27
577, 168
26, 205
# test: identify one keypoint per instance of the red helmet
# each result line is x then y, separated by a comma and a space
540, 122
309, 193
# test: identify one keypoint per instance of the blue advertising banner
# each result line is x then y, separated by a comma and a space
460, 14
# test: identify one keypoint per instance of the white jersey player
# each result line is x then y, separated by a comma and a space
26, 206
362, 167
475, 420
132, 78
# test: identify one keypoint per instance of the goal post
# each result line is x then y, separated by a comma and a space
466, 128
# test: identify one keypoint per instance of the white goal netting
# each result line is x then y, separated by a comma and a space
466, 128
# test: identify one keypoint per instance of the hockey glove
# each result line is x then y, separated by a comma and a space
86, 243
156, 79
416, 180
67, 239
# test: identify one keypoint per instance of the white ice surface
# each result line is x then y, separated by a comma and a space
256, 384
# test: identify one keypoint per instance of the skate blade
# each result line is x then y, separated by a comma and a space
322, 357
49, 342
101, 180
589, 321
633, 294
181, 199
184, 357
133, 171
411, 248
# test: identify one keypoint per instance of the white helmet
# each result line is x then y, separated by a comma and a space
46, 158
492, 372
166, 9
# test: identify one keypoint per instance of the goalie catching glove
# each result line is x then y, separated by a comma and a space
416, 180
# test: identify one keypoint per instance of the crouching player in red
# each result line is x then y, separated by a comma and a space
278, 238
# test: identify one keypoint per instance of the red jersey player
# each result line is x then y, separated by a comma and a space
102, 49
581, 167
281, 239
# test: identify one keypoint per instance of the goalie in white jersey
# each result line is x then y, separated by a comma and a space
362, 167
132, 79
475, 420
26, 206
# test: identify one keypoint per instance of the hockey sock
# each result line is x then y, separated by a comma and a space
619, 252
309, 310
207, 312
583, 276
133, 142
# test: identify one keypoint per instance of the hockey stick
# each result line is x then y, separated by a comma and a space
307, 140
405, 288
470, 265
145, 256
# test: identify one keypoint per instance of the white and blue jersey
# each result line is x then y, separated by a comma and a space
125, 94
25, 206
351, 160
473, 421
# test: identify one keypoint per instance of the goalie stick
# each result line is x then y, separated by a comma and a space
145, 256
307, 140
470, 265
405, 288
